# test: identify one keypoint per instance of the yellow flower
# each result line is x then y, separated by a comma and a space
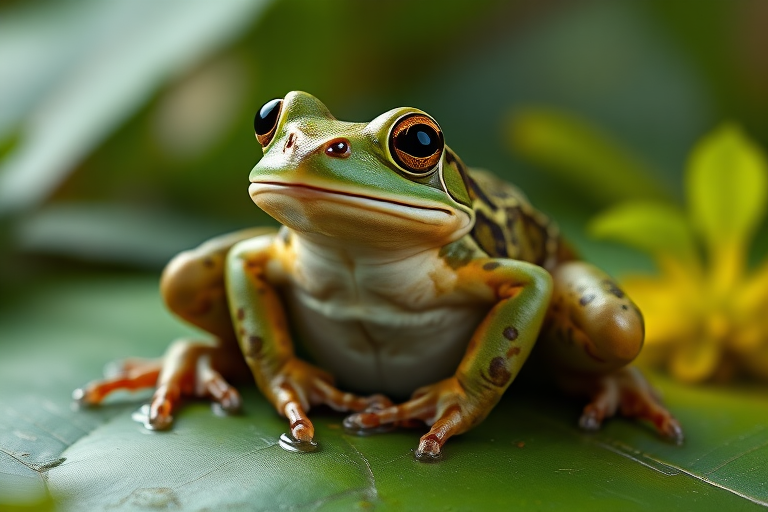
706, 317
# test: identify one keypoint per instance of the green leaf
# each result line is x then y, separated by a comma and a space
528, 454
658, 229
575, 151
727, 184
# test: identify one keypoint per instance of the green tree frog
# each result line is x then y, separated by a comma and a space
404, 274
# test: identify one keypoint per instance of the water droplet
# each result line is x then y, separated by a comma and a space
142, 416
290, 444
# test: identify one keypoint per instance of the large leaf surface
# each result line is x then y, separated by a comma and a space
528, 454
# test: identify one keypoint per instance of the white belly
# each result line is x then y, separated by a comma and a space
375, 348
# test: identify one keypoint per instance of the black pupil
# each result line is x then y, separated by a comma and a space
420, 141
266, 118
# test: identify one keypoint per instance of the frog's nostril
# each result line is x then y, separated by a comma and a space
290, 142
338, 148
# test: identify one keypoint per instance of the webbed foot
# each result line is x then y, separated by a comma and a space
298, 386
628, 393
445, 406
188, 369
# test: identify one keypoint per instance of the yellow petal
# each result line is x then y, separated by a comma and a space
753, 294
696, 361
669, 308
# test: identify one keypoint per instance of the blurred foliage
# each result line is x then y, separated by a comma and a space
705, 319
582, 155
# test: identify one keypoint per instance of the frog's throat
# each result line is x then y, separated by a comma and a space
433, 213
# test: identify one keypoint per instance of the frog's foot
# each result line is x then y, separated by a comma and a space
627, 392
188, 369
445, 406
299, 386
130, 374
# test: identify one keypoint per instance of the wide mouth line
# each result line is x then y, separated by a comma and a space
352, 194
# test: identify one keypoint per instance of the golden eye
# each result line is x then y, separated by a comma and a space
265, 121
416, 144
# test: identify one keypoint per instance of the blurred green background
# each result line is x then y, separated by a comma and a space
126, 133
126, 137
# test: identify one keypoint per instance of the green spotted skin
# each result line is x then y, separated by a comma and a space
506, 225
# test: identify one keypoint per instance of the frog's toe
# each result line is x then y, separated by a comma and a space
627, 392
134, 378
326, 393
429, 450
453, 421
131, 366
211, 384
158, 415
591, 420
673, 431
370, 420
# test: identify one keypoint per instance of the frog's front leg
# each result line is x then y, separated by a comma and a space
254, 268
494, 356
593, 331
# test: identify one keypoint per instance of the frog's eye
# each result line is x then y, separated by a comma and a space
265, 121
416, 144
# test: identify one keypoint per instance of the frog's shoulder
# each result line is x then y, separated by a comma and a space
506, 225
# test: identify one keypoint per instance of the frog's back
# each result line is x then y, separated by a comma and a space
507, 226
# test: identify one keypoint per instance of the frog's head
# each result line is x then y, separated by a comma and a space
389, 183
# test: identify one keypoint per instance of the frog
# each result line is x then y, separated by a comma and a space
405, 275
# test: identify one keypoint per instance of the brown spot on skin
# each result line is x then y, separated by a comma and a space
489, 236
513, 352
586, 299
491, 265
240, 313
613, 289
253, 348
624, 307
498, 374
476, 192
209, 263
290, 142
510, 333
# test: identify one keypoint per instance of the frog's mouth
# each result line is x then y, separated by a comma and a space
428, 214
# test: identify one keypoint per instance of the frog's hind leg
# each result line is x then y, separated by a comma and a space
592, 332
193, 288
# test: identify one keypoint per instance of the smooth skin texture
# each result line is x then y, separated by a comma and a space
405, 275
